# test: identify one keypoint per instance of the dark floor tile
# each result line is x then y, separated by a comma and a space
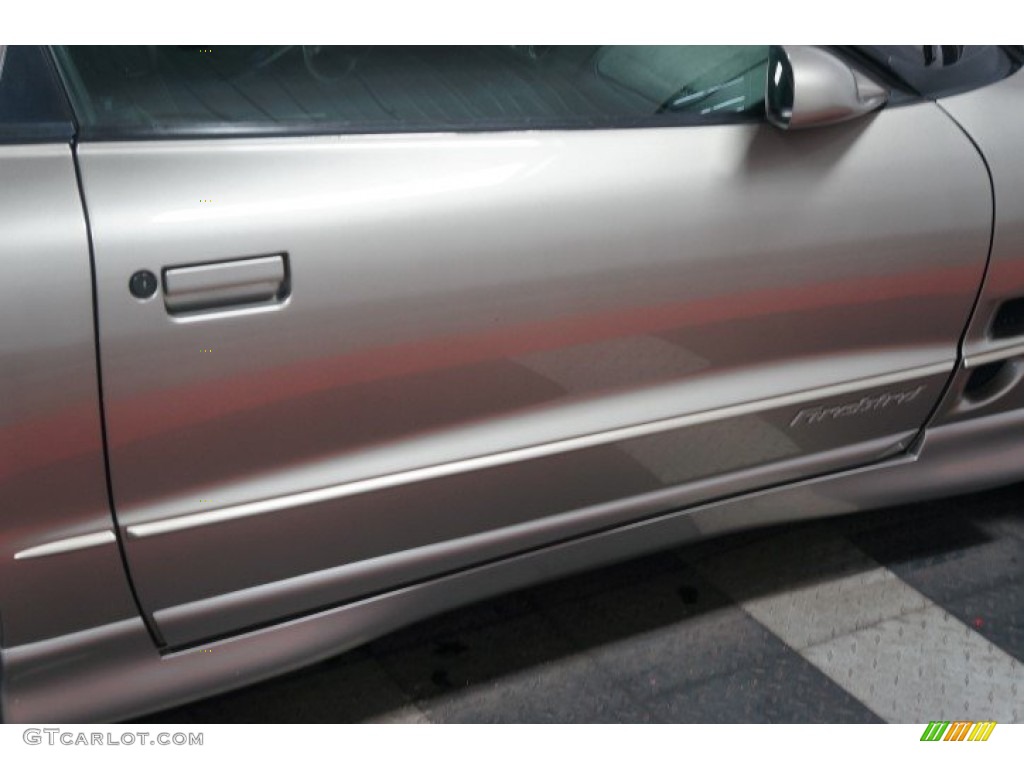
473, 656
601, 580
468, 618
695, 552
785, 689
664, 632
923, 541
520, 670
567, 690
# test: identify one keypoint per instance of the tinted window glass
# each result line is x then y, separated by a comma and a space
942, 70
146, 90
32, 108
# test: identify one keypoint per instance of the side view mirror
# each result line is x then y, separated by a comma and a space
809, 87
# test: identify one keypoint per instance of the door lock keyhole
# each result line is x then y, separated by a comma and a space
143, 284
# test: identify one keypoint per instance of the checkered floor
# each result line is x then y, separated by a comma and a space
901, 615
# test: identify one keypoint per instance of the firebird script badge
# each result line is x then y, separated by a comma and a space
820, 413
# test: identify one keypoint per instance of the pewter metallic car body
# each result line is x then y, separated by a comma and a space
386, 375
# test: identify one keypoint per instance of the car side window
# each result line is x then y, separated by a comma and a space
32, 107
145, 91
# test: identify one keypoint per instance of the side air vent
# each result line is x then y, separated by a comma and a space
1009, 320
988, 381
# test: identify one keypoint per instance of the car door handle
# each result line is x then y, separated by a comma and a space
214, 285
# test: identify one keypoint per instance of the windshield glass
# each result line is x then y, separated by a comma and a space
942, 70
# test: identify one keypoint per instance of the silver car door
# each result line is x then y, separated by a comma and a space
512, 305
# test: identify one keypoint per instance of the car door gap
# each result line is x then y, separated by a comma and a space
150, 626
918, 441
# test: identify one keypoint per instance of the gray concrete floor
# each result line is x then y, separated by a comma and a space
908, 614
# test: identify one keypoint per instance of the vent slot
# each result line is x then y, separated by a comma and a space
1009, 320
984, 381
991, 381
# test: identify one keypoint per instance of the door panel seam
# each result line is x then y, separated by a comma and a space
146, 619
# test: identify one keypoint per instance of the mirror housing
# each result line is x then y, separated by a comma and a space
809, 87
